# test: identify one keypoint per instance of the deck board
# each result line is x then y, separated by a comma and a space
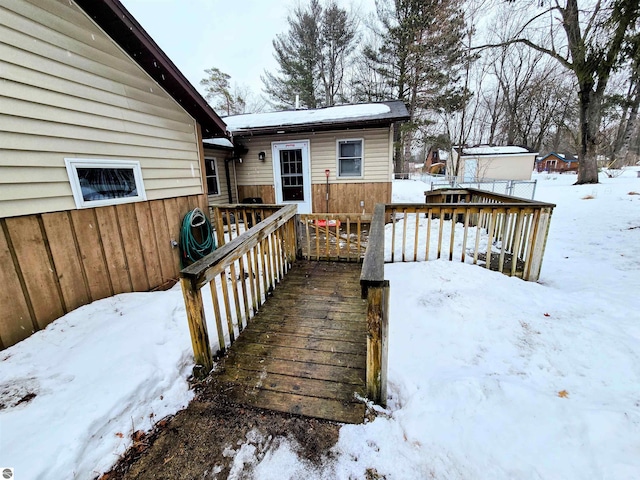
305, 350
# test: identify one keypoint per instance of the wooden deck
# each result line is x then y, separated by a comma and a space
305, 351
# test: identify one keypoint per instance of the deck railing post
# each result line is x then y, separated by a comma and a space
377, 342
376, 290
218, 225
539, 244
197, 328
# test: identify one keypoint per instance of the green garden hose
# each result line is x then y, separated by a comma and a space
196, 237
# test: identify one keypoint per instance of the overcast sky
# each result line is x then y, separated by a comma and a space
234, 36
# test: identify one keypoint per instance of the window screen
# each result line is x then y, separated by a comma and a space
350, 158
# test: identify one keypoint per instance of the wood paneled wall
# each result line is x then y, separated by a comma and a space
346, 197
52, 263
343, 197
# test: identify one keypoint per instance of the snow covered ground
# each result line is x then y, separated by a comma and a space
490, 377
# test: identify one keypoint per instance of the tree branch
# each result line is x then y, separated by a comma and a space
552, 53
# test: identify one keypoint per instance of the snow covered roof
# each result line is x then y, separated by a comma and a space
218, 142
495, 150
565, 157
340, 116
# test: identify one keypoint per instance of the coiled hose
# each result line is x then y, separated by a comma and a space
195, 225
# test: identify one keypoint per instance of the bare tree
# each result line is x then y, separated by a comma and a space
587, 41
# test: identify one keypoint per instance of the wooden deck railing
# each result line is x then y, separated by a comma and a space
234, 219
337, 237
502, 233
240, 273
506, 233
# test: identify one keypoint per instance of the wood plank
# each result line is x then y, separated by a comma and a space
308, 387
38, 271
338, 359
93, 262
330, 292
292, 301
174, 224
308, 342
130, 231
113, 249
66, 258
324, 408
314, 332
148, 244
315, 312
163, 240
15, 322
278, 319
334, 373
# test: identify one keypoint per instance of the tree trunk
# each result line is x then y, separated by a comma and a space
589, 119
397, 149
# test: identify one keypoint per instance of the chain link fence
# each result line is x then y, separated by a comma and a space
515, 188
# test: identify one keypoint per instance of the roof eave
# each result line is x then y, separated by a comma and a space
498, 154
318, 127
123, 28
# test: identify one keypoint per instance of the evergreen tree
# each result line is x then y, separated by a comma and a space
218, 90
311, 56
421, 52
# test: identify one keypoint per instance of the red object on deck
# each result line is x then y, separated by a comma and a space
332, 223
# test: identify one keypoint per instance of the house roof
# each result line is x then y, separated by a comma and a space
218, 143
496, 150
120, 25
565, 157
329, 118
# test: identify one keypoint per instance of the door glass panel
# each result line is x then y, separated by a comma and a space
291, 173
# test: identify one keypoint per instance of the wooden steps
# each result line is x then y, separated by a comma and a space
305, 351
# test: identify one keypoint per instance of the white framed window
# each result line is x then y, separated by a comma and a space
211, 172
350, 158
97, 182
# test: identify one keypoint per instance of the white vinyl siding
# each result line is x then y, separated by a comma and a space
323, 156
68, 90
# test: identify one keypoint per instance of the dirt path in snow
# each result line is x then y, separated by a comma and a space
203, 440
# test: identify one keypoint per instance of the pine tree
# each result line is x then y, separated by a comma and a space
218, 90
311, 56
419, 58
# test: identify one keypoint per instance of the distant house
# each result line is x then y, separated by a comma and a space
101, 157
294, 156
436, 161
557, 162
508, 162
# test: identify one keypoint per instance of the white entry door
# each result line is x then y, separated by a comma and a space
470, 169
292, 173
